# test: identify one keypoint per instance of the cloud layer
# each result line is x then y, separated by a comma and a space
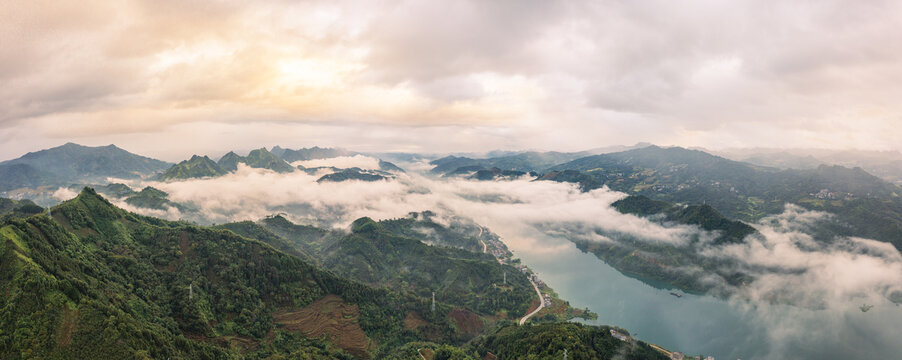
438, 76
788, 265
825, 280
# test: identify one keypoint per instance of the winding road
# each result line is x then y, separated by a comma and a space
541, 303
484, 247
534, 286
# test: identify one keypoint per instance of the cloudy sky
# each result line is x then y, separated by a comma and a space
171, 78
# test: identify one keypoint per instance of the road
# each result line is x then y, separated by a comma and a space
541, 303
484, 247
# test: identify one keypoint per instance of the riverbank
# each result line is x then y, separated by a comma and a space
548, 306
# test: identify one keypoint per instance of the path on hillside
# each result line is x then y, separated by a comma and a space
484, 247
541, 303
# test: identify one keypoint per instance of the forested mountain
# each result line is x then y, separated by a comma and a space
665, 263
152, 198
549, 341
10, 208
95, 281
864, 205
196, 167
456, 232
73, 163
729, 231
230, 161
374, 254
354, 174
884, 164
259, 159
525, 162
263, 159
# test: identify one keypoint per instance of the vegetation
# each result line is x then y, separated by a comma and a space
704, 216
230, 161
459, 233
353, 174
313, 153
10, 208
864, 205
496, 173
152, 198
95, 281
116, 190
389, 167
259, 158
196, 167
375, 255
550, 341
98, 282
263, 159
73, 163
525, 162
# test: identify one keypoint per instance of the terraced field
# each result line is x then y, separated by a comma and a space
332, 317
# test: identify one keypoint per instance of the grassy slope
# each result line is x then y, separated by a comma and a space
98, 282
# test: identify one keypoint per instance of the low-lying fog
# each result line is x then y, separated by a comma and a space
832, 276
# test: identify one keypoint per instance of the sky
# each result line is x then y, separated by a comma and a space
172, 78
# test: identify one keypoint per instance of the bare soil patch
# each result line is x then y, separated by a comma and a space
332, 317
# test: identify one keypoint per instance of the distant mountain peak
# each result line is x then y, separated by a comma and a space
74, 163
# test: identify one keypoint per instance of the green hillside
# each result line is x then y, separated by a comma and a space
73, 163
353, 174
152, 198
524, 162
10, 208
98, 282
229, 161
864, 205
259, 159
373, 254
704, 216
196, 167
460, 233
550, 341
263, 159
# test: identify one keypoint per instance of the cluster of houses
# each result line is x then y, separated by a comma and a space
676, 355
619, 336
532, 276
826, 194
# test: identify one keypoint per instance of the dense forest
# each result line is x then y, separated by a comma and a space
94, 281
387, 254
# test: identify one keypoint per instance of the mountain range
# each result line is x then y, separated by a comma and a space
73, 163
94, 281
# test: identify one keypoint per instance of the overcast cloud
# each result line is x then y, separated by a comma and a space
449, 76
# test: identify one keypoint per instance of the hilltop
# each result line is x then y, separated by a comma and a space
73, 163
196, 167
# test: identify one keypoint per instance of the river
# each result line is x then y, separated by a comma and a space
707, 325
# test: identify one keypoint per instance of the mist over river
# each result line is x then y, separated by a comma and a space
706, 325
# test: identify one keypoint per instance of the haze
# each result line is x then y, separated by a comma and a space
448, 76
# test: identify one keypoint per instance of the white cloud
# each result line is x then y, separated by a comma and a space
465, 76
342, 162
63, 194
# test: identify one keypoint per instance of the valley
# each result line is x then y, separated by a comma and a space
552, 244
